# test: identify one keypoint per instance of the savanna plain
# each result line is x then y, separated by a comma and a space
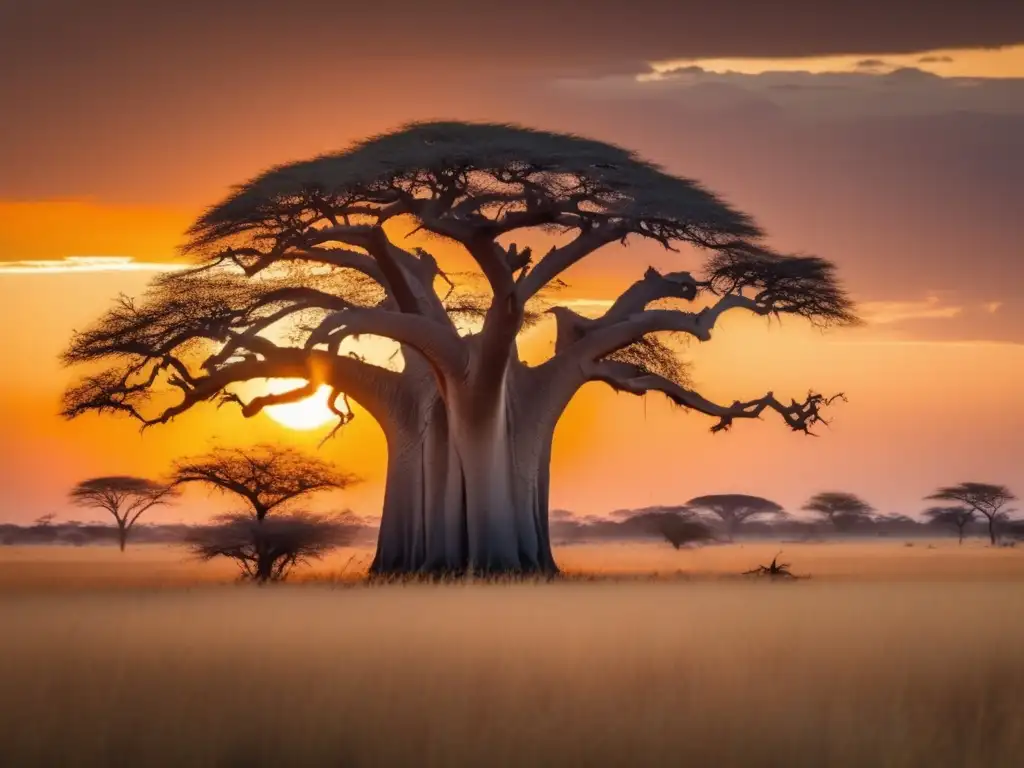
888, 655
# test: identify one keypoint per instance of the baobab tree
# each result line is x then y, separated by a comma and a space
951, 516
346, 246
125, 497
985, 499
272, 535
734, 509
842, 510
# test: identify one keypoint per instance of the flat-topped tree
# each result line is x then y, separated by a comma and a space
468, 425
677, 528
269, 478
734, 509
957, 517
125, 497
984, 499
272, 535
843, 510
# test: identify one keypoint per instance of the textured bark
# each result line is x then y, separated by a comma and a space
467, 487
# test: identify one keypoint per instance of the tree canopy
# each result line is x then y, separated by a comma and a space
679, 526
268, 549
842, 509
297, 264
312, 233
125, 497
268, 477
733, 509
985, 499
955, 516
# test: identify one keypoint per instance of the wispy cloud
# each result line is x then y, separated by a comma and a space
834, 87
1006, 61
84, 264
886, 312
586, 306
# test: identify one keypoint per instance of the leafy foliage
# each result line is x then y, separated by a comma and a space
956, 517
735, 508
125, 497
298, 259
268, 477
843, 510
984, 498
678, 527
267, 550
493, 171
805, 286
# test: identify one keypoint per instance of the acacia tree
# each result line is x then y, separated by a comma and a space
340, 242
955, 516
677, 526
270, 479
267, 550
843, 510
733, 509
983, 498
124, 497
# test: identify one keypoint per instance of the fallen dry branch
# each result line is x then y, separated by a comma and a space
774, 570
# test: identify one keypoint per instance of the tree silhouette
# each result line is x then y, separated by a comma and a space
270, 479
775, 569
267, 550
843, 510
677, 526
983, 498
297, 263
733, 509
953, 516
124, 497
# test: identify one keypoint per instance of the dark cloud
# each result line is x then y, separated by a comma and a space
871, 64
935, 60
92, 89
608, 30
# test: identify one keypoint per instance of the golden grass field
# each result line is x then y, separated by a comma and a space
888, 656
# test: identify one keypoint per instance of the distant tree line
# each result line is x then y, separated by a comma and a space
972, 509
272, 534
266, 539
84, 534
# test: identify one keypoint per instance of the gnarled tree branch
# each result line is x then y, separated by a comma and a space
799, 416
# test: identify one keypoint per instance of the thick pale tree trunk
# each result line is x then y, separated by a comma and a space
467, 487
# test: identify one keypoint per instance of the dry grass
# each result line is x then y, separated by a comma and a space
918, 671
63, 567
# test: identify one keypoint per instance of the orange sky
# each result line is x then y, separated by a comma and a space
920, 414
892, 146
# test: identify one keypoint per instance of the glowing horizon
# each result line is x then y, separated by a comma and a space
85, 264
1003, 62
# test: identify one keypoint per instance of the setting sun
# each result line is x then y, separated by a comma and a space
311, 413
